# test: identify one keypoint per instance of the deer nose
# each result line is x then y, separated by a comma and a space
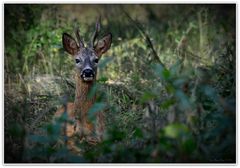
87, 73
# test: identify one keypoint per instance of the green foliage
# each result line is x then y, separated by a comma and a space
97, 107
181, 111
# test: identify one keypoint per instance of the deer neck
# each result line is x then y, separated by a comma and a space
82, 101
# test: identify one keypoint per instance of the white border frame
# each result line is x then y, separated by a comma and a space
120, 2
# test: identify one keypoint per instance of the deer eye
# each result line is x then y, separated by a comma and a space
96, 60
77, 61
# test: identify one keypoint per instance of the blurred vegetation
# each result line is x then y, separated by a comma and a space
168, 83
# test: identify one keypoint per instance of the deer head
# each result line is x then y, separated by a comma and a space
86, 58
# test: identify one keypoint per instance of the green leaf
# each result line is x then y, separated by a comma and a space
167, 103
175, 130
184, 100
170, 88
162, 72
103, 79
39, 139
53, 129
189, 145
115, 134
175, 68
147, 96
92, 92
166, 73
96, 108
210, 92
179, 82
138, 133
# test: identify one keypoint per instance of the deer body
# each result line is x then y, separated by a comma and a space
86, 59
82, 104
77, 110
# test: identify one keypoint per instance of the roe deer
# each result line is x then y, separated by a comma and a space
86, 59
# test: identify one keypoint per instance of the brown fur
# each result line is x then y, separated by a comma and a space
82, 104
77, 112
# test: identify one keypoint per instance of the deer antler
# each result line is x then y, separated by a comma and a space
95, 34
81, 44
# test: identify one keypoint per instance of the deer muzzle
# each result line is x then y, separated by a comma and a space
87, 75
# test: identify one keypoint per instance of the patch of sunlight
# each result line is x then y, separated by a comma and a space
175, 130
46, 84
114, 82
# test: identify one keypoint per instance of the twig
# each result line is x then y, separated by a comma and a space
145, 36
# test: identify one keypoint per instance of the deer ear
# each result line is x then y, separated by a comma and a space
69, 44
103, 45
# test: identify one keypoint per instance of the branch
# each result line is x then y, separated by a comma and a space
145, 36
